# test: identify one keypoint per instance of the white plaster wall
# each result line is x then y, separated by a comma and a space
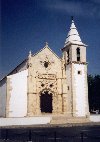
68, 75
3, 98
69, 91
18, 94
79, 92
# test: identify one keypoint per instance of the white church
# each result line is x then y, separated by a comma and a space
47, 85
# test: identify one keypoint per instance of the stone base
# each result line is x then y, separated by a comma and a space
65, 119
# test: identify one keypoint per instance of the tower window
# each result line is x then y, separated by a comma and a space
68, 56
78, 54
79, 72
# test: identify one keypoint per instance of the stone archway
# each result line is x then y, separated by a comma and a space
46, 105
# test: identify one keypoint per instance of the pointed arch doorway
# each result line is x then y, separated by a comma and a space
46, 102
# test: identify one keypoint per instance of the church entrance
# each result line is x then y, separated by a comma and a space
46, 102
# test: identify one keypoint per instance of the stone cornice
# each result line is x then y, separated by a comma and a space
76, 62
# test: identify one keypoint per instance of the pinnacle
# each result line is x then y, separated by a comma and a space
46, 44
30, 53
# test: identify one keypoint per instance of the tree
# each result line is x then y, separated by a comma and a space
94, 92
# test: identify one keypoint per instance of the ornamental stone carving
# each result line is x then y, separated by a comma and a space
47, 62
47, 81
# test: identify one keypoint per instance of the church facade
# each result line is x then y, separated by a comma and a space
46, 85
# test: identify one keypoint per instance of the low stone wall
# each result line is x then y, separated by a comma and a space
95, 118
43, 120
24, 121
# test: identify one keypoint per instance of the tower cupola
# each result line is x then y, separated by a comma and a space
73, 36
74, 49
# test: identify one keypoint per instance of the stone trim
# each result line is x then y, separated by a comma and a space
86, 89
9, 88
76, 62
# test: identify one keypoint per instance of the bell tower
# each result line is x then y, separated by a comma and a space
74, 55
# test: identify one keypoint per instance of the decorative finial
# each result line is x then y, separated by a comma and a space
30, 53
46, 43
72, 18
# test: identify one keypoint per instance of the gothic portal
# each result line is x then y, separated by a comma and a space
46, 102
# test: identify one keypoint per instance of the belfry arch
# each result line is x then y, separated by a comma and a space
46, 101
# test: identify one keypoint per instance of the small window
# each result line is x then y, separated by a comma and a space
79, 72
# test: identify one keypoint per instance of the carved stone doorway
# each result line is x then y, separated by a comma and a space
46, 102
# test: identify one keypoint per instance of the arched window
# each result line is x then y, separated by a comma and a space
78, 54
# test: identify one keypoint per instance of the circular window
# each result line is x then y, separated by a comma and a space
46, 64
42, 85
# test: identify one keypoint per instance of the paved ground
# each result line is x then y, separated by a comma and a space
53, 134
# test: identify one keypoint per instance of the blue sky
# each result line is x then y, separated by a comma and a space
27, 24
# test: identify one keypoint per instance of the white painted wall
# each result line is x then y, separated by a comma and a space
18, 99
68, 76
69, 91
3, 98
79, 92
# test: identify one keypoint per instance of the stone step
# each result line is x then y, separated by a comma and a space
64, 119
